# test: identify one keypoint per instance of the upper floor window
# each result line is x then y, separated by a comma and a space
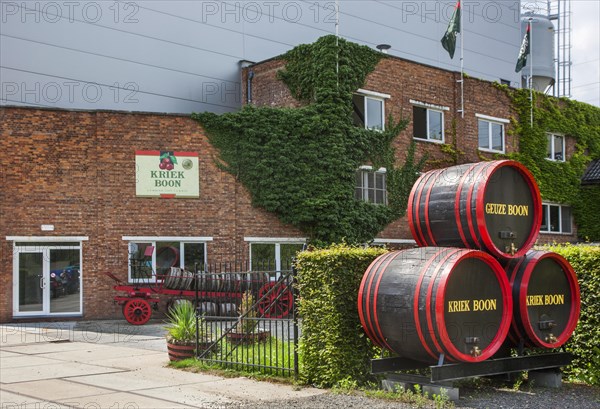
151, 258
273, 254
371, 185
556, 219
491, 133
428, 121
369, 109
555, 148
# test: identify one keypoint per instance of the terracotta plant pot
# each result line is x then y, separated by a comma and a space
180, 352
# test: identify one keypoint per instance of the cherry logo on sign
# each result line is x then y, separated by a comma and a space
167, 160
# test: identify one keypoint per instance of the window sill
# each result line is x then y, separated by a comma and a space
555, 160
428, 140
556, 233
502, 152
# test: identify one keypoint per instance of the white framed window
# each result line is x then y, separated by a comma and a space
428, 121
151, 258
556, 219
273, 254
491, 133
555, 148
371, 185
369, 109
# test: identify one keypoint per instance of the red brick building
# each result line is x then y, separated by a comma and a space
431, 99
70, 197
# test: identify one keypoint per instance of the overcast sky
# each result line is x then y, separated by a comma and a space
586, 51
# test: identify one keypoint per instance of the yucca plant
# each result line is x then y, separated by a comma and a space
182, 324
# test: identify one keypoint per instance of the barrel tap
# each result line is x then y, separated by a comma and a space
511, 249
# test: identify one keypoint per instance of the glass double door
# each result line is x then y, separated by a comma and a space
47, 280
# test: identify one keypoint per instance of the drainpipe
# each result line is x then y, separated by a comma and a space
249, 87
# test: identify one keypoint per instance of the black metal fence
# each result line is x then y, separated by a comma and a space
247, 319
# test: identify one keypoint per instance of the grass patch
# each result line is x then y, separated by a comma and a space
261, 361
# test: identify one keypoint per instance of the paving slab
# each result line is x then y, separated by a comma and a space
45, 347
122, 400
9, 400
55, 388
32, 361
50, 371
95, 353
129, 380
147, 360
7, 354
8, 339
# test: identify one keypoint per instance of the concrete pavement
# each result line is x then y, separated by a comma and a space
111, 364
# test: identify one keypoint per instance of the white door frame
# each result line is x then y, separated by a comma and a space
69, 242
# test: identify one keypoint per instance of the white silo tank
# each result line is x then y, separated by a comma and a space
542, 50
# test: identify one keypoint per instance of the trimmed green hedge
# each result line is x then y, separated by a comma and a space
334, 347
585, 342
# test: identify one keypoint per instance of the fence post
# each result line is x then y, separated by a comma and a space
196, 307
295, 318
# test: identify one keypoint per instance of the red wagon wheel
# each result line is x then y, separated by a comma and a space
137, 311
278, 303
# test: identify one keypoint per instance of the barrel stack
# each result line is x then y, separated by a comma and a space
474, 284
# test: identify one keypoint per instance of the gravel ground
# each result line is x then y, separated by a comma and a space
486, 397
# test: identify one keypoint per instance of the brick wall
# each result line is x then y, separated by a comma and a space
266, 89
76, 171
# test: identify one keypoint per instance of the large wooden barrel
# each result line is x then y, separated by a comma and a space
546, 300
423, 302
491, 206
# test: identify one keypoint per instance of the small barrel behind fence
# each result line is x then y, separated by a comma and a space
208, 309
228, 309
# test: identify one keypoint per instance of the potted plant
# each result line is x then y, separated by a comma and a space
181, 332
246, 329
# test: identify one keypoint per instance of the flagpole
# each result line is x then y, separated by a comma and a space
530, 71
462, 65
337, 42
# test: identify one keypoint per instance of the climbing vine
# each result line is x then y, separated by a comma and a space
300, 163
560, 182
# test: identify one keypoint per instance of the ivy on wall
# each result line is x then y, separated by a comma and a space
300, 163
560, 182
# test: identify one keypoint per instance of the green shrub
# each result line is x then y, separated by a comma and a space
182, 323
585, 342
334, 346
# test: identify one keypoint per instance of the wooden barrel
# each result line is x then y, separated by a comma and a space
228, 309
546, 300
491, 206
424, 302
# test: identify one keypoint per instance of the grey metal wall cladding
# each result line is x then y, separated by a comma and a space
183, 56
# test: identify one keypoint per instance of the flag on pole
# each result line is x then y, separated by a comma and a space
524, 51
449, 39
